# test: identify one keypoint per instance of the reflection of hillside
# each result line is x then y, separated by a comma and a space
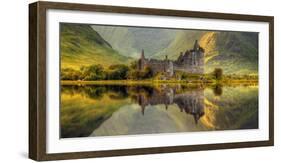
85, 109
236, 108
188, 100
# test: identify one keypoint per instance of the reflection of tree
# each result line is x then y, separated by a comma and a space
135, 91
97, 91
236, 109
85, 108
189, 100
81, 116
217, 89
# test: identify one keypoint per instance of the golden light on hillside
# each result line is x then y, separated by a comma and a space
208, 43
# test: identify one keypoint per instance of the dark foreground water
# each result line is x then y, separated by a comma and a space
109, 110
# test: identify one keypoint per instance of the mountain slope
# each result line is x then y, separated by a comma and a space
80, 46
234, 52
129, 41
184, 40
119, 37
152, 40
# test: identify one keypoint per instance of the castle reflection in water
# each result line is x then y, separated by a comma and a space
189, 102
107, 110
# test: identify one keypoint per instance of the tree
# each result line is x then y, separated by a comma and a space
140, 74
70, 74
117, 72
147, 72
135, 74
93, 72
218, 73
133, 65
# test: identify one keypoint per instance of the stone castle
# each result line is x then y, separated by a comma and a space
191, 61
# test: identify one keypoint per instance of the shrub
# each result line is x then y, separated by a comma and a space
218, 73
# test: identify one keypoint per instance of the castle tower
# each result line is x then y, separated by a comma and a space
141, 61
196, 45
181, 54
142, 54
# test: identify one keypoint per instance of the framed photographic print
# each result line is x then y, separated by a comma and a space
111, 81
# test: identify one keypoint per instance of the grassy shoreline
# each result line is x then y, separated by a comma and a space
156, 82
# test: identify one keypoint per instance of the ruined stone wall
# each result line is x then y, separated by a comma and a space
156, 65
191, 62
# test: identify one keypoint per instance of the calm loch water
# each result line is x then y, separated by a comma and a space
108, 110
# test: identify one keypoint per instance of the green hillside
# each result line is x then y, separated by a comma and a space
235, 52
80, 45
183, 40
